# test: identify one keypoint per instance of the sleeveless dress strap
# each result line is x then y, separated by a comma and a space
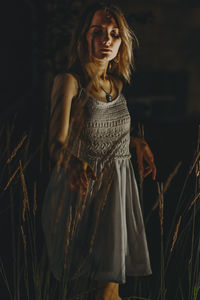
80, 86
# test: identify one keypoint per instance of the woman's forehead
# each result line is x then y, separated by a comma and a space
102, 17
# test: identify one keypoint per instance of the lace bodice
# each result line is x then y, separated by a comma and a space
106, 133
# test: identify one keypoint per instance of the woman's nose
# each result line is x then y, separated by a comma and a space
106, 39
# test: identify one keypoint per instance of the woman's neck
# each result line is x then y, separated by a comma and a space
98, 69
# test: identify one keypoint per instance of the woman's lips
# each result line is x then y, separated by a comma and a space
106, 50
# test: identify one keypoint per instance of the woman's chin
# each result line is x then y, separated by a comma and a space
103, 57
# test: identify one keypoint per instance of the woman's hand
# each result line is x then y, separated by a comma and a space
144, 154
79, 174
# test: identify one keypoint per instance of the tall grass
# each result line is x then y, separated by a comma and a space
177, 272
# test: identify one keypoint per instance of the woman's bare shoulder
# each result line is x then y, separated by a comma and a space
67, 82
65, 76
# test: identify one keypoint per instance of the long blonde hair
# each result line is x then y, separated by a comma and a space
122, 64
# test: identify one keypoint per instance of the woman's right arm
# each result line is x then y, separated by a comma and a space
65, 88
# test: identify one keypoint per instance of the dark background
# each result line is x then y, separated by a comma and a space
164, 93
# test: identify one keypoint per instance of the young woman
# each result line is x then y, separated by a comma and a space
91, 215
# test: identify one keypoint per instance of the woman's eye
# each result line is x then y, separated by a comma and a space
96, 32
115, 34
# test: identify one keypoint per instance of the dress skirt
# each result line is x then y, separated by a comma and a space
107, 240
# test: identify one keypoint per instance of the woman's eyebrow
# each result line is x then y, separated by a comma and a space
95, 26
100, 26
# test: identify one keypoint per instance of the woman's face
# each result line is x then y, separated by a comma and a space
103, 36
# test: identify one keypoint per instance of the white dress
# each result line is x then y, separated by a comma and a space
109, 241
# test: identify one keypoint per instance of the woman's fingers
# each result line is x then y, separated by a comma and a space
79, 179
147, 171
149, 158
78, 184
145, 154
90, 173
150, 169
79, 176
151, 165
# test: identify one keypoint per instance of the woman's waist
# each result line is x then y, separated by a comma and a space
104, 153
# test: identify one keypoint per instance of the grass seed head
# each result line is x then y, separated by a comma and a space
176, 233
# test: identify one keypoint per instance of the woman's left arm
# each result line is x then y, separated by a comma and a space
144, 154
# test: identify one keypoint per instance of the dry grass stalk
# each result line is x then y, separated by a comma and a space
68, 230
34, 198
167, 183
23, 238
16, 149
76, 215
25, 192
83, 205
79, 211
194, 200
197, 172
29, 160
176, 233
195, 161
141, 130
79, 148
15, 173
161, 205
11, 178
171, 176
